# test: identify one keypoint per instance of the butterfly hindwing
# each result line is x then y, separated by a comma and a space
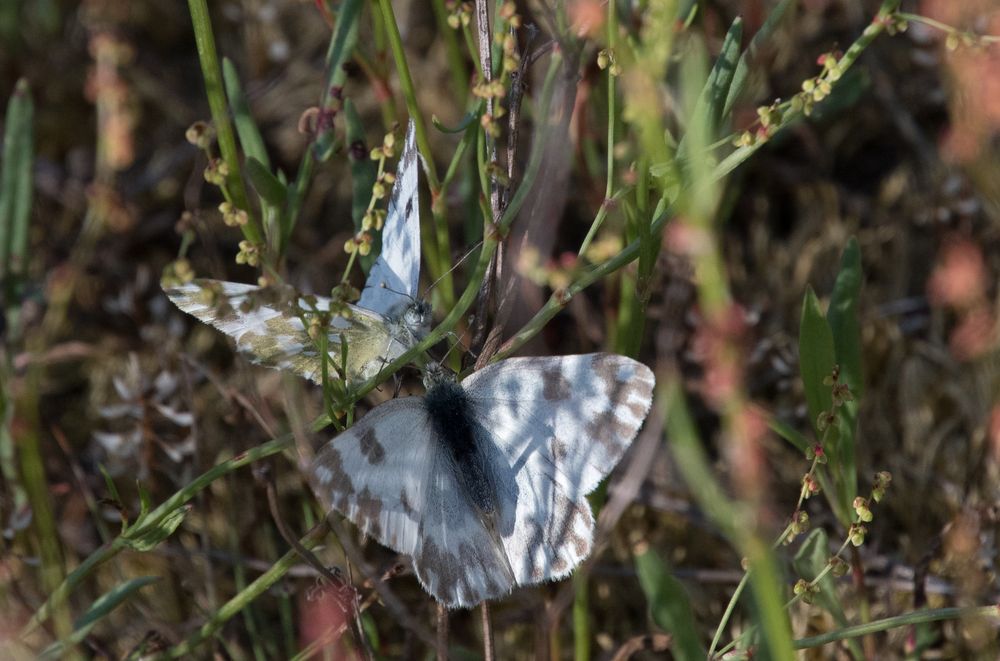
458, 561
376, 473
395, 276
388, 475
267, 325
561, 424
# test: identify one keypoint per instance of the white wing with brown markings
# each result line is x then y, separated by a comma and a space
549, 430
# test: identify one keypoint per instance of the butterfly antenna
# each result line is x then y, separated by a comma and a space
458, 342
454, 266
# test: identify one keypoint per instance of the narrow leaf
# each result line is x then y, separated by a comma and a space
811, 559
363, 173
145, 502
708, 108
271, 191
246, 127
99, 609
717, 86
146, 539
344, 38
843, 317
109, 483
669, 605
16, 180
742, 73
816, 358
846, 328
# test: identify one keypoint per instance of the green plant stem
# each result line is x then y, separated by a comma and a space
581, 618
151, 521
409, 90
441, 330
535, 162
561, 298
944, 27
886, 624
730, 607
244, 597
220, 113
58, 596
456, 64
874, 29
439, 250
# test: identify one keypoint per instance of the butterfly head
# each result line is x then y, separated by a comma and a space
418, 317
435, 374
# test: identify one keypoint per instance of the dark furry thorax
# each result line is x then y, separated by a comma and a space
455, 428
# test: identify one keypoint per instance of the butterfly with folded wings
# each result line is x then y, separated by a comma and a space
272, 324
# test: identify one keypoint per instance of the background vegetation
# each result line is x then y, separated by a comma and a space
787, 209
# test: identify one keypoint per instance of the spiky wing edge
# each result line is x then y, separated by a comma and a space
394, 279
388, 476
563, 423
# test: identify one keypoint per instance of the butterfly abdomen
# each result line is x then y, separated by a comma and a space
451, 416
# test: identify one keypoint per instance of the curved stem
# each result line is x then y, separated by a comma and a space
916, 617
150, 522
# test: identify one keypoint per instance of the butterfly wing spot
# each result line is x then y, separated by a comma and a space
461, 579
404, 502
371, 448
369, 511
628, 386
328, 470
555, 387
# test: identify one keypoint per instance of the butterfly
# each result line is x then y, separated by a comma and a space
272, 324
483, 482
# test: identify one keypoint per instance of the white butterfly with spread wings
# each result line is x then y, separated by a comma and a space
271, 324
483, 482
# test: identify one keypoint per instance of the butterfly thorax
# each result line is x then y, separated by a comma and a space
451, 416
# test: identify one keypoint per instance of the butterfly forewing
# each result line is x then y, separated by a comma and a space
267, 325
389, 476
395, 276
561, 424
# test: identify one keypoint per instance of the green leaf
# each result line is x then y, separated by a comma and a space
789, 433
271, 191
742, 73
669, 605
16, 180
145, 502
845, 325
143, 538
811, 559
109, 483
816, 358
99, 609
462, 126
363, 173
843, 317
344, 38
713, 97
246, 127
